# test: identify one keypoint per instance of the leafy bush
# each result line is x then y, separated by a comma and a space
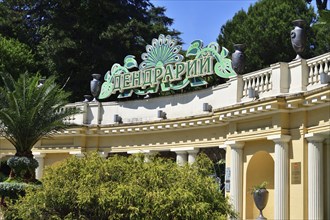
124, 188
12, 190
22, 164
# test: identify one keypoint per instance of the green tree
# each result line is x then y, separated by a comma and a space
74, 39
30, 112
15, 57
321, 4
124, 188
265, 30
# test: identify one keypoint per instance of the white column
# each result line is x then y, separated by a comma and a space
236, 179
40, 157
281, 200
182, 154
146, 153
192, 154
315, 176
328, 178
181, 157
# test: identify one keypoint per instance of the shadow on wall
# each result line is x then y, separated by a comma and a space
260, 169
172, 100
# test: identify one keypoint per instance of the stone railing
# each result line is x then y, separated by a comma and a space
318, 69
278, 79
257, 83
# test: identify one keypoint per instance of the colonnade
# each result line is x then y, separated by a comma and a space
281, 176
281, 173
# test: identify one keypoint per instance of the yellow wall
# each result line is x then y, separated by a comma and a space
258, 167
53, 158
298, 192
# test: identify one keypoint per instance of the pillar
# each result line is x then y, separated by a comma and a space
40, 157
328, 177
236, 179
315, 176
181, 157
192, 154
182, 154
281, 191
146, 153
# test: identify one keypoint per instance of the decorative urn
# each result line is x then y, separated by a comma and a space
298, 37
238, 58
95, 86
260, 198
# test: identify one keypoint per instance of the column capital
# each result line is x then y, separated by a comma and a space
38, 155
195, 151
312, 137
183, 149
235, 144
77, 154
223, 146
279, 138
138, 152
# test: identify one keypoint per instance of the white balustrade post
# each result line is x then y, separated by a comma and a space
280, 78
298, 75
40, 157
85, 113
236, 87
236, 180
315, 176
281, 200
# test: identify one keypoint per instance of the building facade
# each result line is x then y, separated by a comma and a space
272, 124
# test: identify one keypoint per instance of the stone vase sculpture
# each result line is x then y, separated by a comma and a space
298, 37
238, 58
260, 198
95, 86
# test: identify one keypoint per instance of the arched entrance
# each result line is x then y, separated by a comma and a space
260, 169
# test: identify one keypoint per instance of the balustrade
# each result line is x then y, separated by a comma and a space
317, 66
279, 79
259, 81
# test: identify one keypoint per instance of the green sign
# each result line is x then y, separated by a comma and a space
163, 68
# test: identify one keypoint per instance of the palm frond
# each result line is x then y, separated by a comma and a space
30, 112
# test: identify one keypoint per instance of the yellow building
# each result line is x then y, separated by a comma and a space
280, 133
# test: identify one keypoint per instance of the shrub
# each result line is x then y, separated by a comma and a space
123, 188
22, 164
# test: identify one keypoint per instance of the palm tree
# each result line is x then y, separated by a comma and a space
30, 111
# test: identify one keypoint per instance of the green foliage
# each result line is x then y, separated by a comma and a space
20, 165
265, 30
256, 188
321, 32
12, 190
15, 57
124, 188
66, 34
30, 112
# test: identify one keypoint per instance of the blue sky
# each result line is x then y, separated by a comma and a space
201, 19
